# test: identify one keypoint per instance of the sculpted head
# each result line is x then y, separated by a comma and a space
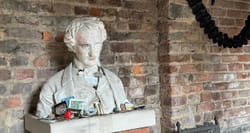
85, 37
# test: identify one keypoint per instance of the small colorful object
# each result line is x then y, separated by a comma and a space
68, 114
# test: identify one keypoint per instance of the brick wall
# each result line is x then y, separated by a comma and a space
200, 80
32, 50
155, 46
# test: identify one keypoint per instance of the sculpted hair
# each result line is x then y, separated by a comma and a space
84, 24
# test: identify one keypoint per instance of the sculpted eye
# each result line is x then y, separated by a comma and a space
83, 45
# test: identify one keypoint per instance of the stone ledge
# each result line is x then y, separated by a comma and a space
97, 124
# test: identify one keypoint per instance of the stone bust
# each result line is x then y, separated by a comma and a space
84, 78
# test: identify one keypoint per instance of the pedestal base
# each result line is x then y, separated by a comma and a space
97, 124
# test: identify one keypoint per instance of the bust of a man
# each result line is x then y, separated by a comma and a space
84, 78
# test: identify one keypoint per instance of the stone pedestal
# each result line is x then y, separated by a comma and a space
97, 124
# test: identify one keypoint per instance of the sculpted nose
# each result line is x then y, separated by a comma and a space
91, 51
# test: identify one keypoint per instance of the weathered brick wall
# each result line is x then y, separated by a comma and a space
200, 80
32, 50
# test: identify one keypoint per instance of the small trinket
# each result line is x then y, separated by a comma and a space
91, 111
129, 106
99, 108
80, 72
60, 108
77, 104
66, 99
123, 107
68, 114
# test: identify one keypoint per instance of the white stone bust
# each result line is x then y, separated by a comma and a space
84, 78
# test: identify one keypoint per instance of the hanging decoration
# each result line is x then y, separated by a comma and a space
222, 39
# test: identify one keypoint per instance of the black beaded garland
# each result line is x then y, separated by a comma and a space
222, 39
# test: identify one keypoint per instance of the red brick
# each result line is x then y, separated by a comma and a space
96, 12
220, 67
120, 59
45, 73
193, 88
234, 31
186, 68
177, 101
122, 47
234, 112
242, 75
247, 110
134, 26
235, 50
12, 102
220, 86
210, 96
204, 76
226, 21
244, 58
218, 105
24, 74
241, 5
139, 58
205, 107
229, 94
5, 75
79, 10
194, 99
246, 66
179, 58
197, 118
235, 67
174, 90
47, 36
227, 104
59, 36
173, 69
41, 61
224, 4
218, 12
219, 114
148, 27
229, 59
240, 102
143, 130
244, 93
137, 70
240, 23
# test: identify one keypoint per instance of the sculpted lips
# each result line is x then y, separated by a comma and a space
92, 58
